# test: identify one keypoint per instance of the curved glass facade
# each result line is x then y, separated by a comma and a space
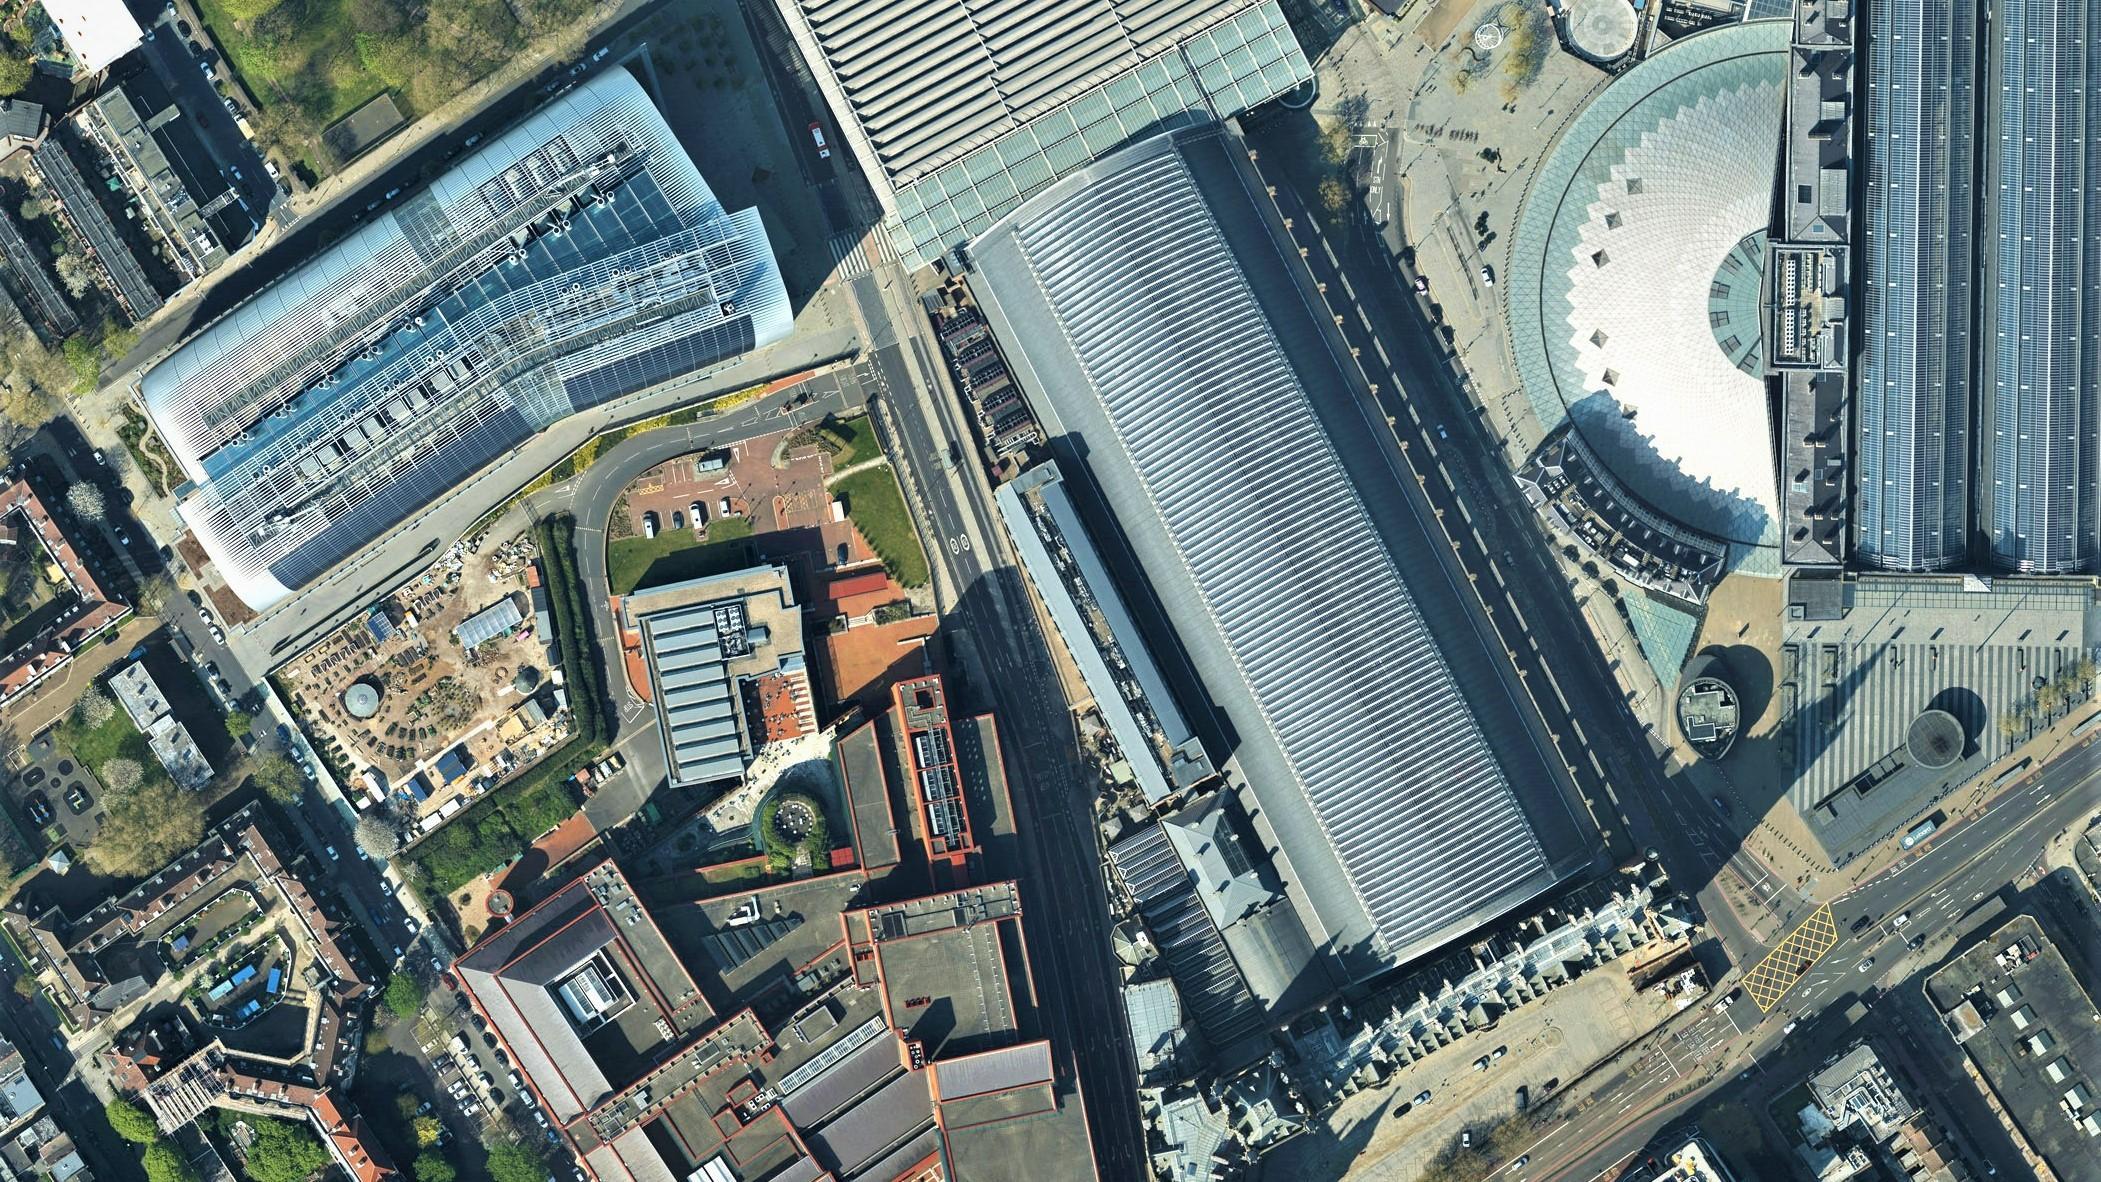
2039, 401
1635, 272
1918, 214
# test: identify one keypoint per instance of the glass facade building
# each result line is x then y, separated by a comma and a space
574, 259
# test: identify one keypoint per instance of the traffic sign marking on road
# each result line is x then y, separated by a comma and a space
1771, 978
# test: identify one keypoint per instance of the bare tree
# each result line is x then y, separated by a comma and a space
121, 775
377, 834
85, 500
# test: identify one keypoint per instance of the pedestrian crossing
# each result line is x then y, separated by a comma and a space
851, 252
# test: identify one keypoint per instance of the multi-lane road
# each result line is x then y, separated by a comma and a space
1948, 889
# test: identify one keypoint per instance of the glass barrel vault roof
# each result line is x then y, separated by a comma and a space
2042, 158
1913, 509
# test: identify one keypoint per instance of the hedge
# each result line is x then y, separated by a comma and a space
501, 824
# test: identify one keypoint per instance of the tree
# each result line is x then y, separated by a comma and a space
509, 1163
282, 1151
85, 500
1336, 139
84, 358
75, 272
153, 593
145, 828
403, 997
33, 208
429, 1167
25, 987
426, 1129
164, 1164
276, 776
1334, 196
15, 73
131, 1122
120, 775
2046, 698
378, 835
94, 708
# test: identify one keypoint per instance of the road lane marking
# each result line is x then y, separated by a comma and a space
1789, 961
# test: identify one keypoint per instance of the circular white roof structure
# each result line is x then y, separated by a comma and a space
1634, 286
1602, 30
361, 699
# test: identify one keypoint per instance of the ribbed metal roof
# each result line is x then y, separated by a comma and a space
1167, 336
689, 672
2040, 365
1913, 510
928, 79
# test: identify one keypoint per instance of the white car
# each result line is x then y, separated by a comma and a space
1488, 277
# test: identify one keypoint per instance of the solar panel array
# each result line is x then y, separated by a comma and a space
1913, 507
2040, 361
576, 259
1135, 303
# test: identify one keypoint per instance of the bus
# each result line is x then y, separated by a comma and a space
1920, 832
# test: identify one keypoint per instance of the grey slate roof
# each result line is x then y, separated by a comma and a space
1171, 344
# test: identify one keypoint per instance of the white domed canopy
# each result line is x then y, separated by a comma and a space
1602, 30
1634, 298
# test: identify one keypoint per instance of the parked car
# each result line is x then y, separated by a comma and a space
1421, 284
1424, 1098
1499, 1052
678, 519
824, 150
1481, 1064
1488, 277
698, 514
649, 523
333, 856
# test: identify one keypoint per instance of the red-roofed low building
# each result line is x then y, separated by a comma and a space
29, 527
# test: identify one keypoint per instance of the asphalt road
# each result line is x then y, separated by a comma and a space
1007, 667
1950, 888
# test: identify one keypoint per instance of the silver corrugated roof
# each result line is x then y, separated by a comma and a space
1170, 342
695, 694
928, 79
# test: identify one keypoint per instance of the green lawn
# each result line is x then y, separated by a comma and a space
115, 739
308, 63
877, 508
675, 554
859, 440
302, 52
